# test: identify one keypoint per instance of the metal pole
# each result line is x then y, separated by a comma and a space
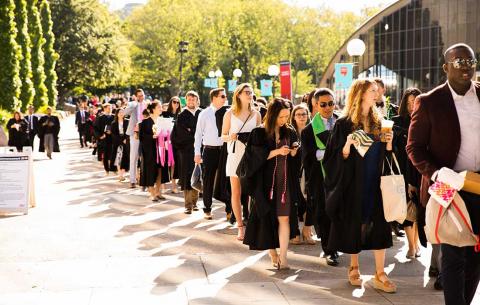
181, 68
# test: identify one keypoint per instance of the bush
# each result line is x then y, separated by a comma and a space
5, 115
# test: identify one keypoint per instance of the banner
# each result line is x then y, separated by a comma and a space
343, 76
285, 80
232, 85
266, 87
210, 83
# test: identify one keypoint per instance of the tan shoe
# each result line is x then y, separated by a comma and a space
386, 285
354, 276
296, 240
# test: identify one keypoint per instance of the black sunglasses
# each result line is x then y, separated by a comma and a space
223, 96
175, 102
324, 104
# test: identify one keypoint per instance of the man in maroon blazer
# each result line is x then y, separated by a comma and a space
445, 132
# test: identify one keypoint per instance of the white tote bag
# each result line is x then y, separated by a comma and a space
394, 194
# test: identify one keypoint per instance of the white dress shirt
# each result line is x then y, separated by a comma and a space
206, 132
468, 111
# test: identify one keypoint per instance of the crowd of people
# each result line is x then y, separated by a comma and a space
277, 165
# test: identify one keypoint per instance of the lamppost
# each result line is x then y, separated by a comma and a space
237, 73
182, 48
356, 48
273, 71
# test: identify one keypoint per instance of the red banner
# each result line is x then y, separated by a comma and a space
285, 80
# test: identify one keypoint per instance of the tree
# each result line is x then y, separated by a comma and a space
93, 52
23, 39
9, 54
38, 59
51, 56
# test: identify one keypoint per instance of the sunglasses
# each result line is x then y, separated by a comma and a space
248, 92
223, 96
175, 102
301, 114
462, 62
325, 104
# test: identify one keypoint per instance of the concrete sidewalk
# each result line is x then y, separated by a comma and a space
93, 241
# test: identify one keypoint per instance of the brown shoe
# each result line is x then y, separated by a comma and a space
386, 285
132, 185
208, 216
188, 211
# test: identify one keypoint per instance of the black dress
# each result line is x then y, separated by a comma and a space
17, 138
344, 187
257, 174
148, 147
121, 139
176, 156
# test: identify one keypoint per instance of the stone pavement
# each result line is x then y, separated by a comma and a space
93, 241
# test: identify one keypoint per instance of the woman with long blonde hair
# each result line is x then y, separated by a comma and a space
352, 185
238, 122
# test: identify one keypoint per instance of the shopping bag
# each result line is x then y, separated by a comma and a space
196, 180
118, 157
394, 195
450, 225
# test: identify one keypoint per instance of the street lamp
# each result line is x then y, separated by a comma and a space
182, 48
218, 73
356, 48
273, 71
211, 74
237, 73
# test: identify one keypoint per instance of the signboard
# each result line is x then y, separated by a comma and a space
16, 182
266, 87
343, 76
210, 83
286, 80
232, 85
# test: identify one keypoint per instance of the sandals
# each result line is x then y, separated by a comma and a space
241, 233
386, 286
308, 240
296, 240
354, 277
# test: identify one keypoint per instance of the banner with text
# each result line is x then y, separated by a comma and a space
286, 80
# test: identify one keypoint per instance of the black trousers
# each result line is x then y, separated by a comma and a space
460, 274
31, 139
210, 158
108, 160
82, 135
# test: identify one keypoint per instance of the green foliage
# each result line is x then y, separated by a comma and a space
93, 51
23, 39
9, 54
38, 59
50, 55
229, 34
5, 115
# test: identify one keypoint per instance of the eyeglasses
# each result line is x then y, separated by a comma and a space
175, 102
248, 92
223, 96
463, 62
324, 104
301, 114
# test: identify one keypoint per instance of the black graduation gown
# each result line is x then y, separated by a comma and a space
314, 184
17, 138
148, 146
344, 187
257, 172
118, 140
55, 130
222, 188
183, 138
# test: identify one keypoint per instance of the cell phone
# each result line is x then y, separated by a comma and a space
295, 145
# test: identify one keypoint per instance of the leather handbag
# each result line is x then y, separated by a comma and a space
393, 194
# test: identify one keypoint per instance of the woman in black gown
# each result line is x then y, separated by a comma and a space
173, 109
352, 185
17, 131
121, 139
151, 171
265, 166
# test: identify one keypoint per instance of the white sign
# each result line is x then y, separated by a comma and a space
15, 182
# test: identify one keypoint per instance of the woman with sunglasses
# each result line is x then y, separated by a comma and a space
238, 122
173, 110
299, 118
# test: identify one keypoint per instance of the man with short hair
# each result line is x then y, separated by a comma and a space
135, 110
81, 118
32, 121
49, 129
444, 133
183, 138
103, 132
314, 140
382, 101
207, 136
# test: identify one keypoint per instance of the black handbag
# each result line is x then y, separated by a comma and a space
242, 136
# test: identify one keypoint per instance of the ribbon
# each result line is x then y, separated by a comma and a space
171, 161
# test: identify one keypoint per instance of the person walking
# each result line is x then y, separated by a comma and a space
238, 122
183, 138
444, 133
103, 132
207, 136
120, 141
17, 131
49, 129
32, 128
81, 118
352, 185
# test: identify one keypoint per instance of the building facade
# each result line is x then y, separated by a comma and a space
405, 43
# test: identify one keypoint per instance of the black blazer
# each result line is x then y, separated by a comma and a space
33, 130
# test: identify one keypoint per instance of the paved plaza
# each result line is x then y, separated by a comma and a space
91, 240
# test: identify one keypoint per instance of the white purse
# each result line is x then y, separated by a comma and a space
394, 195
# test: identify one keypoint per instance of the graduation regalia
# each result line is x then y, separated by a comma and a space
118, 140
222, 188
344, 182
103, 124
314, 178
54, 129
257, 173
183, 138
17, 138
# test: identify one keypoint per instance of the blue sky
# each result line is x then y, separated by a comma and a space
338, 5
